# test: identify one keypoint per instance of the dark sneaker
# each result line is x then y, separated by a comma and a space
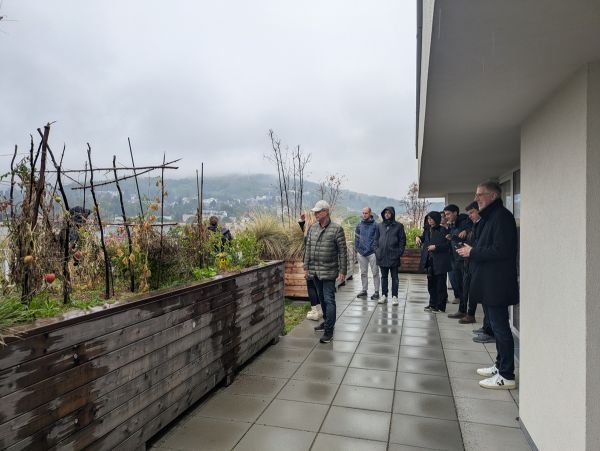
481, 330
434, 310
326, 338
457, 315
375, 296
437, 310
429, 308
320, 326
484, 338
362, 294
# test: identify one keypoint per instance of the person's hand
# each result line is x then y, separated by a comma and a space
464, 251
431, 247
302, 217
341, 277
418, 241
462, 235
305, 274
448, 237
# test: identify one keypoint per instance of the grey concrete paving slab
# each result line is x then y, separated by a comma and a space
329, 357
370, 378
499, 413
421, 352
213, 435
232, 407
373, 337
464, 345
424, 405
469, 388
297, 355
397, 447
395, 330
423, 383
346, 336
420, 324
422, 366
320, 373
350, 327
458, 355
486, 437
376, 362
258, 386
421, 341
308, 391
420, 332
304, 332
377, 348
294, 415
339, 346
464, 370
385, 322
364, 398
296, 342
270, 438
426, 432
365, 424
327, 442
350, 320
271, 368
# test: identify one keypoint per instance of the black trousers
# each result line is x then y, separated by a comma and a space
313, 296
472, 305
459, 288
393, 271
438, 294
487, 327
505, 345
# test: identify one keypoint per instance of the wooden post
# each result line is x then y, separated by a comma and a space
162, 211
106, 257
129, 245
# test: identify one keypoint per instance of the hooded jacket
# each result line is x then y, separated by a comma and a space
493, 260
438, 261
390, 240
462, 223
364, 237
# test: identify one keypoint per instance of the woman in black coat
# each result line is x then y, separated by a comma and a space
435, 259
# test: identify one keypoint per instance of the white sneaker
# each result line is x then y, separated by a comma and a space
488, 372
382, 299
314, 314
497, 382
395, 300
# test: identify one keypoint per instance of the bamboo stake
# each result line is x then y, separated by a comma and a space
129, 245
136, 179
84, 183
162, 218
106, 258
12, 184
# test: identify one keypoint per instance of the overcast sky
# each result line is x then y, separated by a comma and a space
206, 80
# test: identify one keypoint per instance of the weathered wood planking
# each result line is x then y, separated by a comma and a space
117, 375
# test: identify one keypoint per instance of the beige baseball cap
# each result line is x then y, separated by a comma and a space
320, 205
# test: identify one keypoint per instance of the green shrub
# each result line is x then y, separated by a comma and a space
411, 234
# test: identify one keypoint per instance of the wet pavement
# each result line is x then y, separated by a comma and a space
394, 378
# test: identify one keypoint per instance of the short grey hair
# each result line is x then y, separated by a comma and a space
492, 186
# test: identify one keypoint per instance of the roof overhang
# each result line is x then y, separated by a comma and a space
483, 67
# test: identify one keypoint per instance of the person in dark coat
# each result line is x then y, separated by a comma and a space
390, 241
458, 225
494, 279
435, 259
214, 227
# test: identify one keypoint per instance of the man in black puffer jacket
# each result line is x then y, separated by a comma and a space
494, 279
390, 242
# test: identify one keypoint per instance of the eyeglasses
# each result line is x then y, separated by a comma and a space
478, 195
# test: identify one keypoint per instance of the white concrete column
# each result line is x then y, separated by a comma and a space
461, 200
560, 267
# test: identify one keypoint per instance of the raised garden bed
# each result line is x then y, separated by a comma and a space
409, 262
113, 377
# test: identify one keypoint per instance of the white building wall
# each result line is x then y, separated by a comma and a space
558, 307
461, 200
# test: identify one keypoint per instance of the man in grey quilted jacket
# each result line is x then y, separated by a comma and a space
325, 260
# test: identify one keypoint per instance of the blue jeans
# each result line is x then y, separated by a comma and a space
326, 292
505, 345
393, 270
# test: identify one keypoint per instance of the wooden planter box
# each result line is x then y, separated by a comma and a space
113, 377
409, 262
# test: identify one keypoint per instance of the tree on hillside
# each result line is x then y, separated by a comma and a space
416, 208
331, 189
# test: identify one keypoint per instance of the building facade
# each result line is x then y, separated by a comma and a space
511, 91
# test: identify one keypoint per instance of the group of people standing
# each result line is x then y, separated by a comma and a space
477, 251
